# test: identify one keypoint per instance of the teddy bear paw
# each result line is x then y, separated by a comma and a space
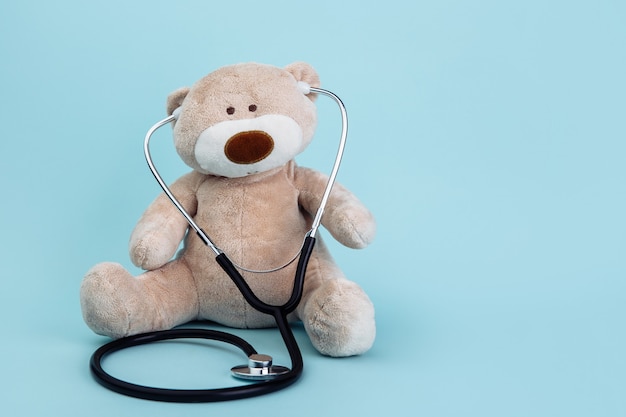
339, 319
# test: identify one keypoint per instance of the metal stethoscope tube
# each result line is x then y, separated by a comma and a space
276, 381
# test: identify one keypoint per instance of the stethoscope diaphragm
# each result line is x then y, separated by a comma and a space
259, 368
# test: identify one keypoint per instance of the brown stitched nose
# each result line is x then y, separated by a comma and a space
249, 147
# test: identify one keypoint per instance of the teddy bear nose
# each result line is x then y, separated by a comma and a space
249, 147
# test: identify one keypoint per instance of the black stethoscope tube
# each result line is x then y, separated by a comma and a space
163, 394
217, 394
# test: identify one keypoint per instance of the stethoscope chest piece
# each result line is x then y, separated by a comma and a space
259, 368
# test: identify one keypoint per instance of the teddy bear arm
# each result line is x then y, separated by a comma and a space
348, 220
345, 216
161, 228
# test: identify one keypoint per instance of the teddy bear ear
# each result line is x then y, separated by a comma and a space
175, 99
304, 72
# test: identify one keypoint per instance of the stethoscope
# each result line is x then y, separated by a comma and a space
266, 376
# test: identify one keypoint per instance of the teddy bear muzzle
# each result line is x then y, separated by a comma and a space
249, 147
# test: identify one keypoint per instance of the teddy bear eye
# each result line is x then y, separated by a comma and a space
252, 107
230, 110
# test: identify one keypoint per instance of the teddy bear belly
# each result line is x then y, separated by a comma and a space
219, 298
254, 234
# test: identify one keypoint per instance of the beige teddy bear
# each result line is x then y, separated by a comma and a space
240, 128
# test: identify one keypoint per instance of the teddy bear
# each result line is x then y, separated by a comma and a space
239, 129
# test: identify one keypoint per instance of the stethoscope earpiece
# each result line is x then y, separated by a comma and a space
304, 87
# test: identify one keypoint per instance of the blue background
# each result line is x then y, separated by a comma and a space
488, 138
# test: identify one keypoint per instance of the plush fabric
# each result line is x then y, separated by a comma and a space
256, 205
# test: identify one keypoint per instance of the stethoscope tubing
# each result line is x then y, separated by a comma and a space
190, 395
163, 394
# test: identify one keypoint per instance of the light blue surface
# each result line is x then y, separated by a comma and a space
488, 138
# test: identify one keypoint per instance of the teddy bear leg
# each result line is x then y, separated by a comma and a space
116, 304
339, 318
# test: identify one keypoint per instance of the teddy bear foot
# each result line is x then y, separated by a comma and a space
116, 304
339, 319
104, 309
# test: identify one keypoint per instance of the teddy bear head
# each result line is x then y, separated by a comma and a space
245, 119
